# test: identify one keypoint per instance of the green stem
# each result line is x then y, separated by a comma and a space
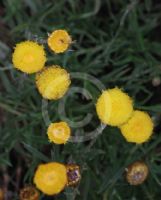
9, 109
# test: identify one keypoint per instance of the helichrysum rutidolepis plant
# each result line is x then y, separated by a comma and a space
117, 42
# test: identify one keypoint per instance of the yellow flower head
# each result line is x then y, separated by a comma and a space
114, 107
139, 128
137, 173
29, 57
29, 193
51, 178
59, 133
53, 82
59, 41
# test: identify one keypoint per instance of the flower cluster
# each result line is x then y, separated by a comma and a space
115, 108
53, 81
30, 57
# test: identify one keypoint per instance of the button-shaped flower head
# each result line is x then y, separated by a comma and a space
53, 82
59, 41
114, 107
51, 178
73, 174
137, 173
59, 133
29, 193
29, 57
139, 128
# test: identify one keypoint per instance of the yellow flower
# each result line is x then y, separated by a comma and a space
53, 82
29, 57
139, 128
51, 178
137, 173
59, 41
29, 193
114, 107
59, 133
